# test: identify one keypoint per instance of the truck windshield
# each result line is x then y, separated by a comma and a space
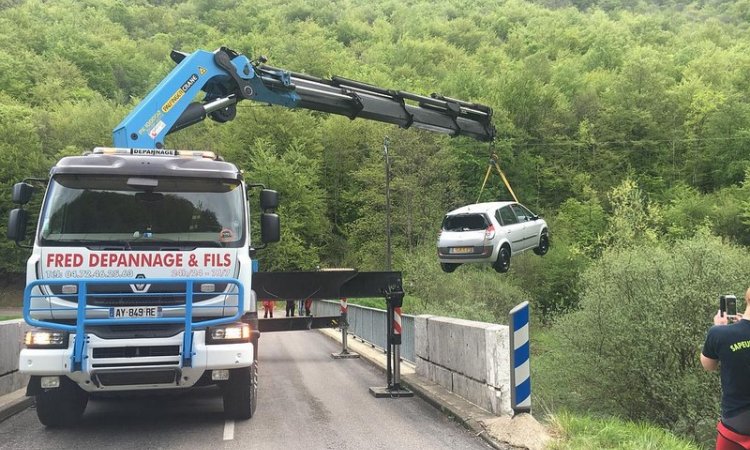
131, 212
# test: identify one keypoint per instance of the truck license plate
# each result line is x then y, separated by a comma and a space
134, 312
461, 249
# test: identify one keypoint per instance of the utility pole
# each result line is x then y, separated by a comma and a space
387, 205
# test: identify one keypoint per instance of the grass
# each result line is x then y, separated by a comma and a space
9, 318
574, 432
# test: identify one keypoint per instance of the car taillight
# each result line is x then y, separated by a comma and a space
489, 233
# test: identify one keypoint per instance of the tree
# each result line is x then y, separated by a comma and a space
302, 211
21, 156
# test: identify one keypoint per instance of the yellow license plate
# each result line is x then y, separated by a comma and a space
461, 249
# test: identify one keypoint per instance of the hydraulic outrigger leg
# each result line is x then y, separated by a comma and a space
394, 297
345, 353
339, 284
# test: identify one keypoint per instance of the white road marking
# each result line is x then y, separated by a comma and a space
229, 430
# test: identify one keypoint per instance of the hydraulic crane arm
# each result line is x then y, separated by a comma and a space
227, 77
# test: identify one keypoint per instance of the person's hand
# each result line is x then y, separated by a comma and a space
719, 319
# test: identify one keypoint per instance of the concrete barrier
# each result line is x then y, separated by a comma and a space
11, 338
470, 359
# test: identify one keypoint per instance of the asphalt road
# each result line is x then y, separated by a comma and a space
307, 400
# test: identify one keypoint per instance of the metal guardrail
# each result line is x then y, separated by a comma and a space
82, 293
370, 324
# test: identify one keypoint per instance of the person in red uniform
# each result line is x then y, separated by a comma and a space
308, 305
267, 308
727, 349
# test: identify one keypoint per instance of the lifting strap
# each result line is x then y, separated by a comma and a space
494, 163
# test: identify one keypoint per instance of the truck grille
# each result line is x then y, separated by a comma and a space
132, 378
136, 352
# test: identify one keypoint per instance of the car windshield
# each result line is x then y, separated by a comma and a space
129, 212
464, 222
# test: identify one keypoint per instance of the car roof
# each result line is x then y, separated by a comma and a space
479, 208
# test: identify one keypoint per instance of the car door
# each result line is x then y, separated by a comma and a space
511, 228
531, 226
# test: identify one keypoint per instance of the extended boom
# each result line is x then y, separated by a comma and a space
228, 77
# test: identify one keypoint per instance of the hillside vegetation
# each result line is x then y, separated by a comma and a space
625, 124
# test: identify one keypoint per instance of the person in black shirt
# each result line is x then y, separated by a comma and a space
290, 308
727, 348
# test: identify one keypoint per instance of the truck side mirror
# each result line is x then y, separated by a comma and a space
270, 228
269, 199
17, 224
22, 193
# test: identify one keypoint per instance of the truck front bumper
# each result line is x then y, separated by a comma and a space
136, 363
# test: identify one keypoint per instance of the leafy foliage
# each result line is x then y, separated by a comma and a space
626, 124
643, 316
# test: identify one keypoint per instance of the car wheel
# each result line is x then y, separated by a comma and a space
449, 267
543, 246
503, 260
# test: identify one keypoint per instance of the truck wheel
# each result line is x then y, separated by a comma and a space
240, 393
62, 406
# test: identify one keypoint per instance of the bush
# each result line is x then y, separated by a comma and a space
553, 280
633, 347
473, 292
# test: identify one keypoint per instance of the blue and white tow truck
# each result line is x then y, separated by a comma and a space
141, 272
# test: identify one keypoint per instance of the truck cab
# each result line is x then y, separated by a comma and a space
136, 279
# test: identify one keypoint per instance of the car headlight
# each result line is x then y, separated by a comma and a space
43, 338
229, 334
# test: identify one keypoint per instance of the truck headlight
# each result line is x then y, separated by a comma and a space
229, 334
43, 338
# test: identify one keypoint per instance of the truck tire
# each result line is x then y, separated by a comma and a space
62, 406
240, 393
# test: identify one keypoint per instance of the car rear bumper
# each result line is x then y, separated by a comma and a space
478, 254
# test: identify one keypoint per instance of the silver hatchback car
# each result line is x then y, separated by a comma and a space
490, 233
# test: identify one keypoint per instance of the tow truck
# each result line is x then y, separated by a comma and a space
141, 273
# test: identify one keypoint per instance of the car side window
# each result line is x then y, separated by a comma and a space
528, 212
507, 215
499, 218
522, 213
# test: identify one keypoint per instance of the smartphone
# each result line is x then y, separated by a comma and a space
728, 305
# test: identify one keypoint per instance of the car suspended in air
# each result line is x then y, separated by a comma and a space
490, 233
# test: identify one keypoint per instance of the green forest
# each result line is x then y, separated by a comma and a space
626, 125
